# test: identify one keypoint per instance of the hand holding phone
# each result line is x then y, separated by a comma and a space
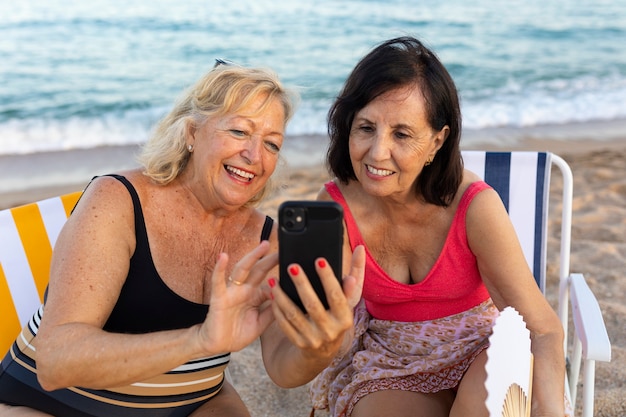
309, 230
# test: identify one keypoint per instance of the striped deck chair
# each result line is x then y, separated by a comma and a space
522, 179
27, 235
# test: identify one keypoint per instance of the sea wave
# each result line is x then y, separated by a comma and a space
87, 74
86, 125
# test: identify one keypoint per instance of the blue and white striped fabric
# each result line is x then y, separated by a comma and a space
522, 181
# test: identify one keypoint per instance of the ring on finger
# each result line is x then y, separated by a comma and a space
234, 281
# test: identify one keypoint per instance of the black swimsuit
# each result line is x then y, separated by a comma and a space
146, 304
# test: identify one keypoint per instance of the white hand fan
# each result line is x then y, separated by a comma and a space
509, 367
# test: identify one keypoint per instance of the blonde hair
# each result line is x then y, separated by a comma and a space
223, 90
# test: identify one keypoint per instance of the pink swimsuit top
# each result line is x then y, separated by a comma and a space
452, 286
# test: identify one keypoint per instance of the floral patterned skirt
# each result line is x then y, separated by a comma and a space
427, 357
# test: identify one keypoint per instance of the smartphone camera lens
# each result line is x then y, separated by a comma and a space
293, 219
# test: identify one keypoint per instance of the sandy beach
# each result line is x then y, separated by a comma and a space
598, 247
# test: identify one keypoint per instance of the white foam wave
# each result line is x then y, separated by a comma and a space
20, 136
555, 102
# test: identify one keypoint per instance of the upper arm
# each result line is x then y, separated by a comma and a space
501, 262
91, 258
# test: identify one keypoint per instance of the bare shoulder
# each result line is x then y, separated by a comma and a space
107, 191
323, 195
105, 206
470, 176
486, 214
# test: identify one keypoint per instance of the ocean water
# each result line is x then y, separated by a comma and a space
80, 74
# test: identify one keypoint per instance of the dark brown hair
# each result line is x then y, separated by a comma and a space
396, 63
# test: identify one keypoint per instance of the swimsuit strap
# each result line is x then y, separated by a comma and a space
267, 228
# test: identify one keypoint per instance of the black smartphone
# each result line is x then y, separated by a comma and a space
308, 230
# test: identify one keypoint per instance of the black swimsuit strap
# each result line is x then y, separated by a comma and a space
267, 228
129, 186
140, 225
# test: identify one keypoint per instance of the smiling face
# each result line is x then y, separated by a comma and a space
235, 154
391, 141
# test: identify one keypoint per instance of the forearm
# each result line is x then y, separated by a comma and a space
297, 347
548, 376
80, 355
289, 366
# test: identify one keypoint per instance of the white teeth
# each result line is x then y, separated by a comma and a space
379, 172
239, 172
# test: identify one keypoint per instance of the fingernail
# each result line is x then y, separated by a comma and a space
271, 282
321, 263
293, 270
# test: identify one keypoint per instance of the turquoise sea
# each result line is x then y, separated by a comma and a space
81, 74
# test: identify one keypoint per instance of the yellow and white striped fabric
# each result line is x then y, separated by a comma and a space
27, 235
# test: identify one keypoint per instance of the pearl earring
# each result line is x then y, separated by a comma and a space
190, 148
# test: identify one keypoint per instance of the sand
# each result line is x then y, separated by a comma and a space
598, 247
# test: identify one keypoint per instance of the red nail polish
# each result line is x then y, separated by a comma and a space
293, 270
321, 263
271, 282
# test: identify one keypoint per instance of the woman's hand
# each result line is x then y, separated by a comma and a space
320, 333
238, 313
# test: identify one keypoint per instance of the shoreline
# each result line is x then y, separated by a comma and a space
31, 177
